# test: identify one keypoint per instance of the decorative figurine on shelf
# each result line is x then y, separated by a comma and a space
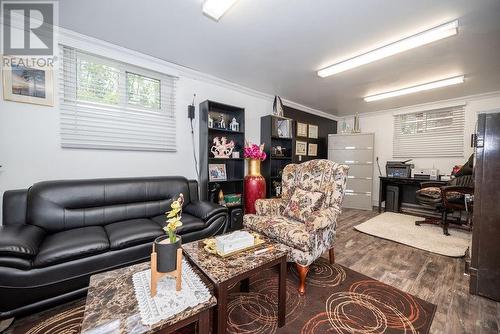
277, 188
255, 184
222, 148
221, 198
234, 125
166, 257
222, 122
210, 122
213, 193
356, 128
277, 106
277, 151
344, 126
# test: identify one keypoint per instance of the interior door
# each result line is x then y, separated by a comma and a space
486, 231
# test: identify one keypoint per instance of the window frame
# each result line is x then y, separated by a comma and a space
431, 141
121, 126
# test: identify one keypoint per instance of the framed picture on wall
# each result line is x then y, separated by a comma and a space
301, 130
300, 147
312, 150
217, 172
313, 131
28, 84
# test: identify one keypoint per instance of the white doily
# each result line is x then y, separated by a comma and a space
168, 302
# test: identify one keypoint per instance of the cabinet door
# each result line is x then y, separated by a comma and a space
359, 185
352, 142
351, 156
363, 171
358, 201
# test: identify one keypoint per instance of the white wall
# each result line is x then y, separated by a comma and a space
30, 149
382, 124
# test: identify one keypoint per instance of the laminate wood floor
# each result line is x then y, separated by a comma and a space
435, 278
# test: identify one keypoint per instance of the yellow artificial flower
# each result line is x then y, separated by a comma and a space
173, 212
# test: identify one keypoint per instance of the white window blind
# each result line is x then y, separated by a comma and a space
432, 133
106, 104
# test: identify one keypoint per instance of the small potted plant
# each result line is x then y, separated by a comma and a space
166, 246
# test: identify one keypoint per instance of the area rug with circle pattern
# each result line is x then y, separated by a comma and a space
337, 300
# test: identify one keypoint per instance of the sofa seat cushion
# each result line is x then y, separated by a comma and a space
71, 244
430, 192
283, 230
132, 232
189, 223
15, 262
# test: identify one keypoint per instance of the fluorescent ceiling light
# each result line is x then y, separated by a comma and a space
216, 8
414, 89
426, 37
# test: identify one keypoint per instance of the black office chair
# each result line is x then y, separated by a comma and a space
449, 198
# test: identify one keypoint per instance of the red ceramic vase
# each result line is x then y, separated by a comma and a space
255, 185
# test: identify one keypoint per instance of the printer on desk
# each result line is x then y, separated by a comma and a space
398, 168
425, 173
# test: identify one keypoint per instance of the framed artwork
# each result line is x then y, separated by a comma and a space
281, 127
301, 130
313, 131
217, 172
312, 150
300, 147
28, 84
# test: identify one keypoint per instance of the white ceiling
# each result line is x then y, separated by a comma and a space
275, 46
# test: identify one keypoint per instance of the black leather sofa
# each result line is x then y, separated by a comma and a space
57, 233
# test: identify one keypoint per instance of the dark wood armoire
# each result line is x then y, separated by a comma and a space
485, 254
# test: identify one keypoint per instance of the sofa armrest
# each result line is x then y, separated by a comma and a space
448, 190
269, 206
204, 209
20, 240
321, 219
14, 207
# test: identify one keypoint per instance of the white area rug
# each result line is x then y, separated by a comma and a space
401, 228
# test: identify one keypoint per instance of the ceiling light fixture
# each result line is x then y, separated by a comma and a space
414, 89
426, 37
216, 8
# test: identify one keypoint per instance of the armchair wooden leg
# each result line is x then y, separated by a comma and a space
302, 270
332, 255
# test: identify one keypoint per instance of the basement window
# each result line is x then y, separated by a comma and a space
431, 133
106, 104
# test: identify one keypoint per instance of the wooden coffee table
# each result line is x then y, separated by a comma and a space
111, 307
225, 272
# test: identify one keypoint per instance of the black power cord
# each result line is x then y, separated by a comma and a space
191, 109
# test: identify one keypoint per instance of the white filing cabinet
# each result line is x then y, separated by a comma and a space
356, 151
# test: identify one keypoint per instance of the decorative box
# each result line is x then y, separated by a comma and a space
234, 241
232, 199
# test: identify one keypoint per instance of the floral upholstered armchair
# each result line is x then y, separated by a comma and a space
303, 221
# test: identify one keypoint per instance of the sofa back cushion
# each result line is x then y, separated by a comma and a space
63, 205
319, 175
303, 203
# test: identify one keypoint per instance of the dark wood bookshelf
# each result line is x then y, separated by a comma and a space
272, 167
226, 181
234, 166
